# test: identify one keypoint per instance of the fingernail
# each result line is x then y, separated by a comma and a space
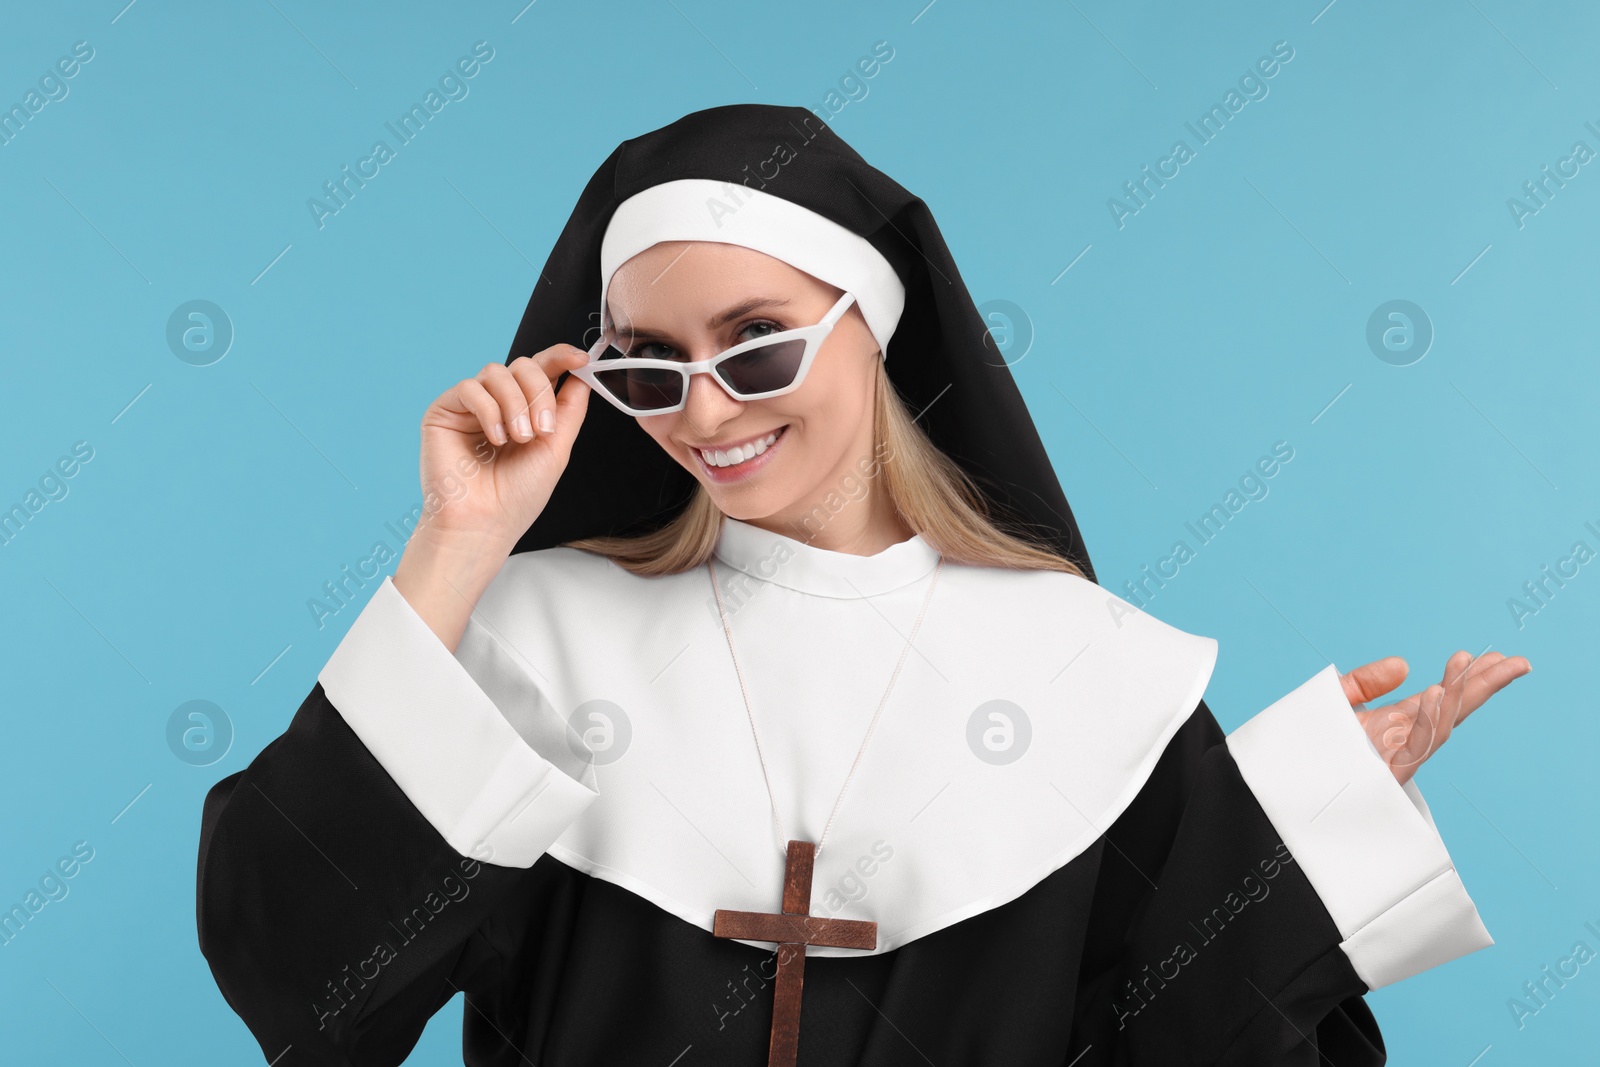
547, 421
523, 429
499, 433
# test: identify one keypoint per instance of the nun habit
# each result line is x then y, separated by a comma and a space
548, 819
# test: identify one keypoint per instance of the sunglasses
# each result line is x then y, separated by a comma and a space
754, 370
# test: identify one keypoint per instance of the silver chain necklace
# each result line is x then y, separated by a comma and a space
777, 819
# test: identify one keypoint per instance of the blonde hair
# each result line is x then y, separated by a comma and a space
928, 490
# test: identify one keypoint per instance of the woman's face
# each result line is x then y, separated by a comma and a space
668, 302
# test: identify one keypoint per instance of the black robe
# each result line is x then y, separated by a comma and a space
347, 962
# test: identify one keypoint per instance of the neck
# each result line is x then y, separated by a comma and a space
862, 527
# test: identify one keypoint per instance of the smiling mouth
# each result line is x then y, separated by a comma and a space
722, 458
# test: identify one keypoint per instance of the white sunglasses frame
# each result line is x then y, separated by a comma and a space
813, 336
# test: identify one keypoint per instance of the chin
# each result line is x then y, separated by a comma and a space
744, 506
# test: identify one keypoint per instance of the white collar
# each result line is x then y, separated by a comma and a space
803, 567
932, 830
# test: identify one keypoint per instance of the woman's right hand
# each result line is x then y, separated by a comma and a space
489, 463
488, 470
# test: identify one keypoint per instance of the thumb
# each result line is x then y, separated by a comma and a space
572, 404
1372, 680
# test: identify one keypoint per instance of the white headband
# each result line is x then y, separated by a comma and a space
700, 209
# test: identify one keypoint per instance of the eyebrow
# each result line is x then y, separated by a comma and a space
716, 321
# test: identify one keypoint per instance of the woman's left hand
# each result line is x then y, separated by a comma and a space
1409, 731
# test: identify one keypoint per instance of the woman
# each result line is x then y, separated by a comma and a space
671, 773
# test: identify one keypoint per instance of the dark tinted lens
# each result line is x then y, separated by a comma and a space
763, 369
644, 388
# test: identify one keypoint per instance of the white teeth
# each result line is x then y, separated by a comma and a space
720, 458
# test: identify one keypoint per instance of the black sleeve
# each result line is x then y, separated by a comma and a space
334, 917
1208, 945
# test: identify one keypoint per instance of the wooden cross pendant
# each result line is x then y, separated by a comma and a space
793, 930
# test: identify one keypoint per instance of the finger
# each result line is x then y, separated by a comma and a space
537, 375
1407, 730
1454, 678
572, 404
1485, 659
537, 393
1371, 680
558, 358
1411, 729
1475, 684
1475, 666
1457, 665
1438, 705
1461, 676
469, 396
1395, 722
508, 393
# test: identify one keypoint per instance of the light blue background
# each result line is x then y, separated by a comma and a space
1228, 314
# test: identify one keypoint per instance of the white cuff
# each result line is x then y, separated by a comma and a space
1368, 846
444, 741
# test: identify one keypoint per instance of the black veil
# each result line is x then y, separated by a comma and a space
619, 481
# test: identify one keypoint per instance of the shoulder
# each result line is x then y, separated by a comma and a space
560, 569
571, 582
1067, 619
558, 565
1056, 596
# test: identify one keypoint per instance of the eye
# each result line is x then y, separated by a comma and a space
650, 350
763, 328
750, 331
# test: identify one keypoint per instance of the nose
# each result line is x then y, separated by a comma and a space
708, 405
